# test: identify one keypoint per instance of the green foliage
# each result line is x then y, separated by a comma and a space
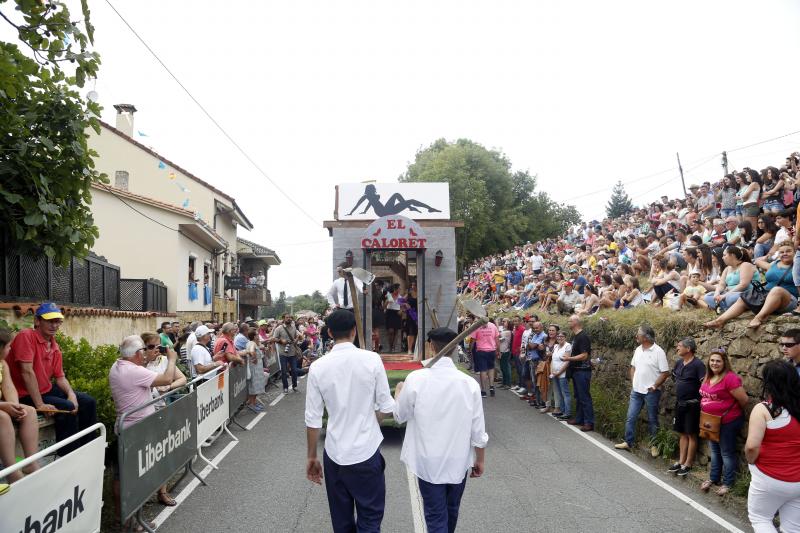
46, 166
500, 208
315, 302
667, 442
277, 308
619, 204
742, 483
610, 402
87, 369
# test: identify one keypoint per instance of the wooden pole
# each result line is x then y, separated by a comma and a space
680, 168
461, 336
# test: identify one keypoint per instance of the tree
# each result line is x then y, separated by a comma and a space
619, 204
46, 166
499, 208
277, 308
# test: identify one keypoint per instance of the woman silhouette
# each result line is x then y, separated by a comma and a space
396, 204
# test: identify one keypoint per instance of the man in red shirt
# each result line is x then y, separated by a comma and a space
34, 361
516, 341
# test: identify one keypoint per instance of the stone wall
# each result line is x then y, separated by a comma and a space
747, 349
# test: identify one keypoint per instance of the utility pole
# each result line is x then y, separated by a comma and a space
683, 183
725, 163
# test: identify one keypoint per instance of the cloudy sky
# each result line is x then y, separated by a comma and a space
581, 93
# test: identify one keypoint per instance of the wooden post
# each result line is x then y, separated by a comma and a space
356, 306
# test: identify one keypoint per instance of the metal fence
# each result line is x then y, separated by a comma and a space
91, 281
143, 295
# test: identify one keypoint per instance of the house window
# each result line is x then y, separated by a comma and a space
192, 263
121, 179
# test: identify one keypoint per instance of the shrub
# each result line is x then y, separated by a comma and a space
610, 402
87, 369
667, 442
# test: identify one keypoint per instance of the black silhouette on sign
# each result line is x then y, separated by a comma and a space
395, 205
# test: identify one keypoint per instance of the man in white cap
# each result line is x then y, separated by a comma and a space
445, 433
202, 361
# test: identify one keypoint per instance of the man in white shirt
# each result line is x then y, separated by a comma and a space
339, 296
537, 263
200, 356
649, 370
445, 435
352, 385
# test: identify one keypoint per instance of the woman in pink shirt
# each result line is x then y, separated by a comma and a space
722, 394
487, 349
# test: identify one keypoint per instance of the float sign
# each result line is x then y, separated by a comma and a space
64, 496
368, 201
153, 449
212, 406
394, 233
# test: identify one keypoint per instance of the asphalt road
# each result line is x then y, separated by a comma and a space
541, 476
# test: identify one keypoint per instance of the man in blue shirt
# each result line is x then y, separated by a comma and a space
790, 347
535, 353
240, 340
514, 277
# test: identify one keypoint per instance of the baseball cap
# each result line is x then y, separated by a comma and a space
201, 331
694, 186
442, 335
568, 284
49, 311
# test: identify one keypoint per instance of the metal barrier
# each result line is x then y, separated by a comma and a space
65, 495
154, 448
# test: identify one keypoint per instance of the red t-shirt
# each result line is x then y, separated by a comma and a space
780, 448
221, 347
516, 340
30, 347
716, 399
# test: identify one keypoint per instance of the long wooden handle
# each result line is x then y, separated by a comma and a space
356, 307
461, 336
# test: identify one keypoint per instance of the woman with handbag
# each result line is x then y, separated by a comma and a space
773, 448
778, 295
722, 400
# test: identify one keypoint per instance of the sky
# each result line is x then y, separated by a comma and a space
579, 93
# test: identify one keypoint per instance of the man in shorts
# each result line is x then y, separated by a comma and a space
487, 349
688, 374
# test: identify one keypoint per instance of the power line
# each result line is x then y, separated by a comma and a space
211, 118
764, 142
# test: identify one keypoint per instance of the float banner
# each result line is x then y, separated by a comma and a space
368, 201
394, 233
65, 496
212, 406
153, 449
237, 388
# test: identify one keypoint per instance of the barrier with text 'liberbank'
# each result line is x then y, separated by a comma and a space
212, 406
153, 449
65, 496
237, 388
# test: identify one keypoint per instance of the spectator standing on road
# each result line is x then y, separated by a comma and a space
202, 361
558, 370
649, 370
487, 348
518, 328
351, 384
255, 371
580, 368
445, 435
225, 347
722, 395
688, 374
506, 335
534, 352
287, 337
773, 448
11, 412
240, 340
157, 362
164, 335
35, 363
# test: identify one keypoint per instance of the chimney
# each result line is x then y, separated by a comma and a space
125, 118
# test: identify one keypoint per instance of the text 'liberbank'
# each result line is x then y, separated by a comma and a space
154, 453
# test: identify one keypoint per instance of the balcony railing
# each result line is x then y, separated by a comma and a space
143, 295
254, 296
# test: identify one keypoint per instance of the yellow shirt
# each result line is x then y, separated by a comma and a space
499, 276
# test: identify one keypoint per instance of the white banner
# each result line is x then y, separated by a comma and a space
418, 201
212, 406
65, 496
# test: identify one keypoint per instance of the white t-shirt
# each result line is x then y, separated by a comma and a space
648, 363
537, 261
201, 356
159, 366
558, 352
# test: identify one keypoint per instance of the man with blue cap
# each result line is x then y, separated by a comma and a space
35, 361
445, 433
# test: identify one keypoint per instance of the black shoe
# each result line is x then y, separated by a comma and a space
684, 471
483, 394
564, 418
491, 392
674, 468
286, 391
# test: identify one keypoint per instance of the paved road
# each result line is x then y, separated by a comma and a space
541, 476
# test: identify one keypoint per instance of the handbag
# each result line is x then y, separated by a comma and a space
756, 293
710, 424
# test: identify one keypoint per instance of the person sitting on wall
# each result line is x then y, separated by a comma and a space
34, 361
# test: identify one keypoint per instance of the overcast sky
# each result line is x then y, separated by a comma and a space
581, 93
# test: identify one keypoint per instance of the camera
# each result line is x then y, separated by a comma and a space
286, 349
162, 350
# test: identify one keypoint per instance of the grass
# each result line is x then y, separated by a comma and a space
667, 442
742, 483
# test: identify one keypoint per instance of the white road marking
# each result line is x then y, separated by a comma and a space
255, 421
193, 484
667, 487
417, 515
276, 400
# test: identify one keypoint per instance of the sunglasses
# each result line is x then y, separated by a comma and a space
788, 344
151, 346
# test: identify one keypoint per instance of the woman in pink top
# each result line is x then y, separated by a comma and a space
487, 349
773, 451
722, 394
